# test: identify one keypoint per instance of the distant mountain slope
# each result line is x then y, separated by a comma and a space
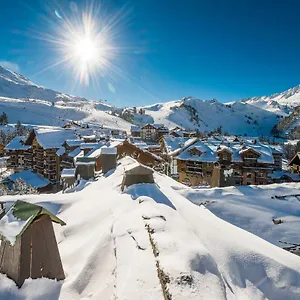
289, 126
281, 103
206, 116
14, 85
25, 101
32, 104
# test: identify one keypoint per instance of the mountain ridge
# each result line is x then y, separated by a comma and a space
252, 116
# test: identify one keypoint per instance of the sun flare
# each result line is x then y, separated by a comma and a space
86, 50
84, 43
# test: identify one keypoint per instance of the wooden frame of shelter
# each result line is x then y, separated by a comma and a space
137, 174
34, 254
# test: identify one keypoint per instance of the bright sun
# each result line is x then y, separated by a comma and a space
85, 44
85, 48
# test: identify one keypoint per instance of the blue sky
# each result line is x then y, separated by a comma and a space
223, 49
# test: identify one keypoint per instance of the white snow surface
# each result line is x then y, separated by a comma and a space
10, 227
195, 114
23, 100
106, 252
31, 178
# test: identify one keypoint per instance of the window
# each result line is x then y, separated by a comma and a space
249, 175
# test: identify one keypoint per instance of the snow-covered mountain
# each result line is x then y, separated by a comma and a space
252, 116
14, 85
150, 239
206, 116
32, 104
281, 103
25, 101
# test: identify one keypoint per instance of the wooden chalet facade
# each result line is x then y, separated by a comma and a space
135, 131
144, 157
20, 155
205, 164
294, 164
42, 155
152, 132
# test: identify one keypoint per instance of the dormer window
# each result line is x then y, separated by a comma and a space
195, 151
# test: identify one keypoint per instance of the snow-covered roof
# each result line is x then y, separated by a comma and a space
31, 178
134, 128
96, 151
224, 148
68, 173
90, 136
282, 173
186, 143
60, 151
19, 217
264, 151
73, 143
89, 145
17, 143
109, 150
53, 138
212, 147
206, 153
75, 152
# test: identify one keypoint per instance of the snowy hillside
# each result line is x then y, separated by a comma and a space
14, 85
107, 248
281, 103
206, 116
25, 101
31, 104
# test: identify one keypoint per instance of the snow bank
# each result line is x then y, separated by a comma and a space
114, 242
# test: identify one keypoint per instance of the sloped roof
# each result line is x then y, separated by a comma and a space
17, 143
134, 128
31, 178
264, 151
282, 173
109, 150
20, 216
138, 168
73, 143
174, 143
53, 138
75, 152
60, 151
207, 154
68, 173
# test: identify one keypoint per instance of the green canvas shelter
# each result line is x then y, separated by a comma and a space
30, 249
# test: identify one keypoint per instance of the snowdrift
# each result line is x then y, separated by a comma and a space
150, 240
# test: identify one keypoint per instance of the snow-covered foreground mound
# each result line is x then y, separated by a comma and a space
254, 207
114, 241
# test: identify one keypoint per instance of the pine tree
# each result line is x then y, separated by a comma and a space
5, 118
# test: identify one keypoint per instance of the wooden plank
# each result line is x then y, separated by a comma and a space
37, 250
53, 256
11, 260
25, 259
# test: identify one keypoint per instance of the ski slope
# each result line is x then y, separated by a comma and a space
206, 116
107, 254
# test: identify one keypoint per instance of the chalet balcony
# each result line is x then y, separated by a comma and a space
50, 172
194, 172
39, 167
